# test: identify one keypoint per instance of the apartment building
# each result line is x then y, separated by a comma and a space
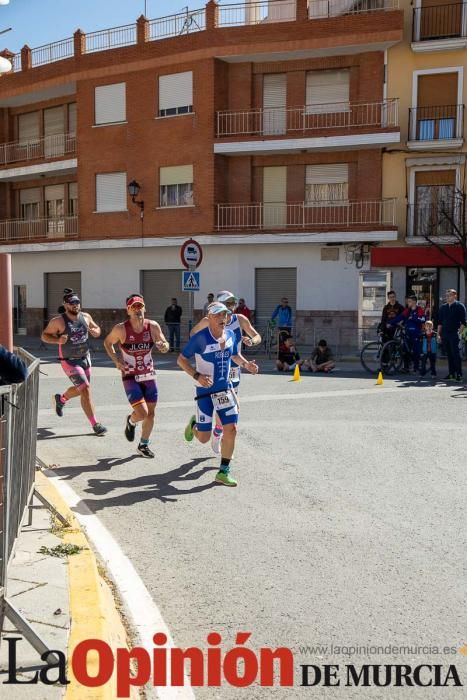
257, 128
426, 172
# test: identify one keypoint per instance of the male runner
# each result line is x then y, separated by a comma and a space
244, 332
70, 331
137, 337
213, 348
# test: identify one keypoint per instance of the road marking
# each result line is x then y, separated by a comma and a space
145, 615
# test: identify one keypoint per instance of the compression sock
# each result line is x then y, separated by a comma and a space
63, 398
93, 421
144, 441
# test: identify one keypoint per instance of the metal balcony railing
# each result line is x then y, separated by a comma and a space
245, 13
111, 38
38, 229
439, 22
176, 25
439, 219
301, 215
436, 123
49, 53
319, 9
46, 147
281, 120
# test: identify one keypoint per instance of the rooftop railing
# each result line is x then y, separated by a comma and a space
49, 53
177, 25
47, 147
17, 230
246, 13
318, 9
111, 38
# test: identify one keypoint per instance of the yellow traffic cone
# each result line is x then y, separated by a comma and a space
379, 381
296, 374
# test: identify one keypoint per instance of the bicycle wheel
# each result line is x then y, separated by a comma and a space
370, 357
391, 357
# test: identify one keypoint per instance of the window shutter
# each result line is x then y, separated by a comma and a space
54, 192
110, 103
72, 190
54, 121
175, 91
72, 118
327, 87
32, 195
274, 90
28, 127
111, 192
176, 175
327, 182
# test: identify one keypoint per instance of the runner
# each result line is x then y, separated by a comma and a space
213, 348
137, 337
70, 331
244, 332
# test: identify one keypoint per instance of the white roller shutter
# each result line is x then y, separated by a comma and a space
327, 182
111, 192
176, 175
55, 284
72, 116
271, 284
176, 93
275, 196
110, 103
54, 192
274, 103
28, 128
325, 87
31, 195
54, 131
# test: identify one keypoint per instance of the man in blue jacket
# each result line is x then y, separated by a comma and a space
452, 319
12, 368
283, 313
413, 318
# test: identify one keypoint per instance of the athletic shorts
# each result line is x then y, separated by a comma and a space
140, 392
225, 405
78, 371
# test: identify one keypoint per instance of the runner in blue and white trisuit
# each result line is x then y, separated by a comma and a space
213, 348
244, 333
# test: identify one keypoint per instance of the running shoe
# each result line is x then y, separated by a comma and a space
216, 438
459, 378
189, 429
99, 430
58, 404
449, 378
129, 430
226, 479
145, 451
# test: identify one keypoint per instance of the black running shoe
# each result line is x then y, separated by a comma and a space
58, 405
145, 451
99, 429
129, 430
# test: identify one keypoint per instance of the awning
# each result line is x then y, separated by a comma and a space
416, 256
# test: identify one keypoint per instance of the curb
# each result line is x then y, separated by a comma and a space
93, 612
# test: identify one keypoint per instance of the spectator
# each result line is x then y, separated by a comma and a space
209, 301
12, 368
429, 348
452, 319
413, 318
288, 356
392, 309
172, 317
321, 359
283, 313
243, 309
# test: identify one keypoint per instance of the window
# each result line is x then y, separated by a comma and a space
73, 199
175, 94
176, 186
72, 118
111, 192
110, 103
326, 87
327, 184
436, 206
29, 200
28, 128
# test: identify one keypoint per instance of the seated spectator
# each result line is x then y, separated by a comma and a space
12, 368
321, 359
288, 356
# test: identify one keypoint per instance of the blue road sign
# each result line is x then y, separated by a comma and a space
190, 281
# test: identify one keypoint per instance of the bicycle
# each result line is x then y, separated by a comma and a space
371, 354
395, 351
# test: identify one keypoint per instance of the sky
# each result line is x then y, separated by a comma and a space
39, 22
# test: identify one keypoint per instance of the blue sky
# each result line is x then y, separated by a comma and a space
38, 22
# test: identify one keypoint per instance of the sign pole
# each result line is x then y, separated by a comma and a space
191, 296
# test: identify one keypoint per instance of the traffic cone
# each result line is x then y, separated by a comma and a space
379, 381
296, 374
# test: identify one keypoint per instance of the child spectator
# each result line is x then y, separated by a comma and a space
429, 347
288, 356
321, 359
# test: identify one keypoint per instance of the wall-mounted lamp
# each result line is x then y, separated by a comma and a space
133, 190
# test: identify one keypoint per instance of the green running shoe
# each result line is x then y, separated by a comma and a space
189, 429
226, 479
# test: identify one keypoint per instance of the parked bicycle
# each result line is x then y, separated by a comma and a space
395, 351
371, 354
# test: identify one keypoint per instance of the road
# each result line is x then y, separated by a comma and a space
348, 526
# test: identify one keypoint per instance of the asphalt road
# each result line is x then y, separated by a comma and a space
348, 526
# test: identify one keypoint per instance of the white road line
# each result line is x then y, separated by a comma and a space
145, 615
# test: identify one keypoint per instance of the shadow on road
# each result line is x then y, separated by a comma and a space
101, 465
48, 434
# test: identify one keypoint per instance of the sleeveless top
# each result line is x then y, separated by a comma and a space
234, 326
77, 345
137, 353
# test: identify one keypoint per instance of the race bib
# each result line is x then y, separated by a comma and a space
145, 377
234, 374
223, 399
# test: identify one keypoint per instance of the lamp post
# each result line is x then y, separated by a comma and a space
133, 190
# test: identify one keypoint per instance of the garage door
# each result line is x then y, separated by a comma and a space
55, 283
158, 287
271, 284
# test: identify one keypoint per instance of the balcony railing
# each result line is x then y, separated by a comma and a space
439, 22
318, 9
49, 53
111, 38
281, 120
46, 147
17, 230
301, 215
436, 123
435, 220
256, 13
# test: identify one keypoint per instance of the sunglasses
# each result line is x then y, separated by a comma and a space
137, 306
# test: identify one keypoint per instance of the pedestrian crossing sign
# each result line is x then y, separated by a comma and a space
190, 281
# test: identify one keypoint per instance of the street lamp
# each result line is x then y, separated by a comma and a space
133, 190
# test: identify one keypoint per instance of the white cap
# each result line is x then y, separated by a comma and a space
216, 308
225, 295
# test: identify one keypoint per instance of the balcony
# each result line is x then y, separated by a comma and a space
434, 221
436, 127
439, 27
20, 230
54, 146
296, 216
319, 9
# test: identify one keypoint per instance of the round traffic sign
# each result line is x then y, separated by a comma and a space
191, 254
